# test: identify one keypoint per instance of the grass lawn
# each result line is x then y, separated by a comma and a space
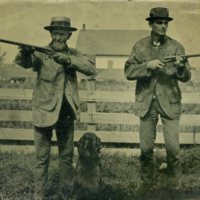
120, 174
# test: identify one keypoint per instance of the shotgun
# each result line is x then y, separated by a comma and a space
168, 59
35, 48
173, 58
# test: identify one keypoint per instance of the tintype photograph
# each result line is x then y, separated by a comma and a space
99, 100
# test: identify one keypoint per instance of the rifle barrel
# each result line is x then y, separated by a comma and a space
184, 56
37, 48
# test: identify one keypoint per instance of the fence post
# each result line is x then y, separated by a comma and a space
91, 105
194, 135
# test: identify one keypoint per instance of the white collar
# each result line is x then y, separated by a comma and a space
156, 44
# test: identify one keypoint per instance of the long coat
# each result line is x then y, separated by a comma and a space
53, 83
162, 83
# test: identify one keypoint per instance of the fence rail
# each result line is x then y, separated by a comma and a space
117, 137
98, 96
96, 117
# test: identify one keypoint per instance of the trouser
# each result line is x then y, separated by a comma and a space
147, 139
42, 137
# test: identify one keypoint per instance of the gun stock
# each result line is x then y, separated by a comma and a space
36, 48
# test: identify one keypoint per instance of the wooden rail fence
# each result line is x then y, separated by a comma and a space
92, 117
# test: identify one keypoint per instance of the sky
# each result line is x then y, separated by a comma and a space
23, 21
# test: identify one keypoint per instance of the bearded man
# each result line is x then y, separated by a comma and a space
55, 103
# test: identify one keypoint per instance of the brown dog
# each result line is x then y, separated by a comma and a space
88, 169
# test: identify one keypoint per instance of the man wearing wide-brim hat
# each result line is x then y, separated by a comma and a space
55, 103
158, 94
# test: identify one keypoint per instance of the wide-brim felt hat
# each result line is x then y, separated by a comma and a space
60, 23
159, 13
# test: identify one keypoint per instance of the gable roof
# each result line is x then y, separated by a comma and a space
109, 42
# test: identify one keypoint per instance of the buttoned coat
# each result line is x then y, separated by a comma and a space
162, 83
55, 81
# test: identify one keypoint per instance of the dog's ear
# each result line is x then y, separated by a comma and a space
80, 145
98, 144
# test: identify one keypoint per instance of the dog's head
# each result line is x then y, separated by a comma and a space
89, 146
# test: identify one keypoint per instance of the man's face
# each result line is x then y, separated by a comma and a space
59, 39
159, 27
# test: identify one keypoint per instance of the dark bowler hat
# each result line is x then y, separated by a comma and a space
60, 23
159, 13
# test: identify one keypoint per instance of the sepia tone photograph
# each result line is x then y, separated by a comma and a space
100, 100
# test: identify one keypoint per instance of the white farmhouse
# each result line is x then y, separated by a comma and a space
110, 47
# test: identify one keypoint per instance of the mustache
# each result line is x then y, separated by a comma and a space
58, 45
58, 41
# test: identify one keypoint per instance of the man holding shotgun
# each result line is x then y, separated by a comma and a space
55, 103
158, 94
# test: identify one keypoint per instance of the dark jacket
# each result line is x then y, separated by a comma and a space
53, 82
161, 83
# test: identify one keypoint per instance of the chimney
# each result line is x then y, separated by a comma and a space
84, 27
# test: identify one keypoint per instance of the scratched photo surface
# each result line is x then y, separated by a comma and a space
107, 31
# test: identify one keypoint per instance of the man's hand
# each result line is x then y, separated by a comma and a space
61, 58
155, 64
26, 51
180, 62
